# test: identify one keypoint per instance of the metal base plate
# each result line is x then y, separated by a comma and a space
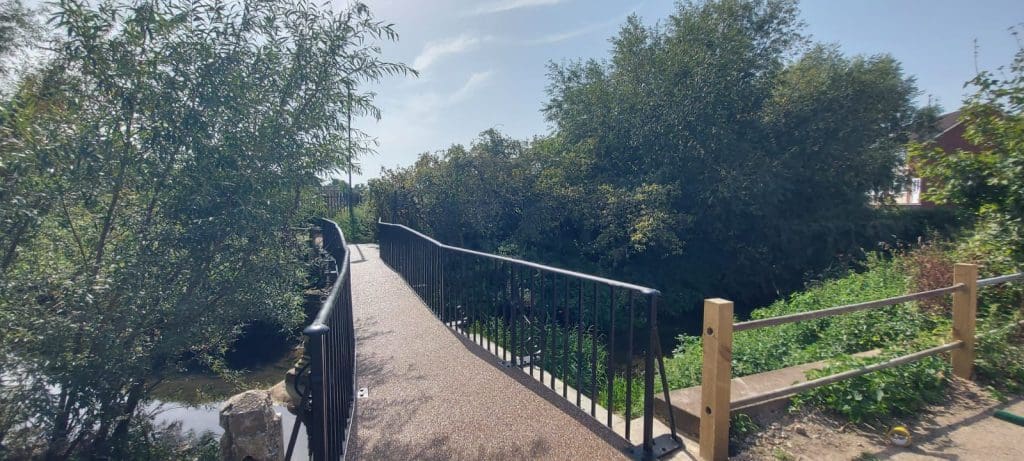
663, 445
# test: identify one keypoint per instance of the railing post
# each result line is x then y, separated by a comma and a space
317, 426
716, 380
652, 348
965, 310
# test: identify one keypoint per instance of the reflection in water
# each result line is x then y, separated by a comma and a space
206, 418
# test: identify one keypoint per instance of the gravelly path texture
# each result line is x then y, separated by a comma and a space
434, 397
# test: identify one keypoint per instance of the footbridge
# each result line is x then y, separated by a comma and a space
426, 351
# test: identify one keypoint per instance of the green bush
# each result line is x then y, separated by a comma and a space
1000, 359
895, 329
757, 351
878, 396
364, 229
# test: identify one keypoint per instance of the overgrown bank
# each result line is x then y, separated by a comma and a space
896, 330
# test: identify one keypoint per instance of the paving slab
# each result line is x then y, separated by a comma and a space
435, 396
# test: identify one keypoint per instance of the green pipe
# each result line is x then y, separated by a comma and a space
1010, 417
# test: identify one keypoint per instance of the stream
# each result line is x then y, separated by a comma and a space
205, 418
195, 398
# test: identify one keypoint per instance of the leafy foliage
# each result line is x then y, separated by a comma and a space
896, 330
990, 181
761, 350
153, 174
720, 145
881, 395
755, 167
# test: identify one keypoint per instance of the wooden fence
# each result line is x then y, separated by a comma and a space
717, 339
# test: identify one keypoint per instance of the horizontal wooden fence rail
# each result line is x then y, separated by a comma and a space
833, 311
826, 380
719, 328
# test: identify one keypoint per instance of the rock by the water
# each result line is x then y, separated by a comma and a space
252, 429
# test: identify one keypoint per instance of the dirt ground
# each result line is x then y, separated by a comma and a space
961, 429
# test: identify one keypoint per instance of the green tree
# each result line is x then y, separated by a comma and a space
721, 144
987, 180
170, 144
715, 151
20, 31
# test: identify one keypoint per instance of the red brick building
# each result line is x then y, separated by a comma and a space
950, 138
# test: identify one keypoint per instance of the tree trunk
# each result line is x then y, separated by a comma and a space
111, 444
12, 249
59, 436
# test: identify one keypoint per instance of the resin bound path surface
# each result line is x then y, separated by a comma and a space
432, 396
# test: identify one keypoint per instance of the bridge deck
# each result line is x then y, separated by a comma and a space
433, 396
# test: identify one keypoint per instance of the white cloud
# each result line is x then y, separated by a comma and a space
417, 121
509, 5
475, 81
429, 105
585, 30
434, 50
563, 36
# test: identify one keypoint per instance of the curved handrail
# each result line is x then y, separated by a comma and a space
504, 312
328, 406
593, 278
334, 244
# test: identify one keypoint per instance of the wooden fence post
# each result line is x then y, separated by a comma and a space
715, 383
965, 310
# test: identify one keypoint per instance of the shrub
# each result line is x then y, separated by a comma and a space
766, 349
930, 267
1000, 359
883, 394
365, 228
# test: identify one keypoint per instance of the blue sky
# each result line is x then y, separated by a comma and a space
483, 62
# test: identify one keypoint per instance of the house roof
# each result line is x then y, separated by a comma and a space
947, 121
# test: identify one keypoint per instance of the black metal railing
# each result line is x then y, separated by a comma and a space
329, 398
591, 339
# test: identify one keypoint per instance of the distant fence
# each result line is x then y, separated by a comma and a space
329, 399
578, 332
717, 339
334, 198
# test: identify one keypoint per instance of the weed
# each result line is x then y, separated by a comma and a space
782, 455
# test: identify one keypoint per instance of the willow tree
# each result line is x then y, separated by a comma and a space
172, 141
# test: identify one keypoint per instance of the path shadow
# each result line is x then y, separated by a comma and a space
375, 369
362, 257
937, 434
444, 447
603, 432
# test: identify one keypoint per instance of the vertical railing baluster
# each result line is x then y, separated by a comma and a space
543, 308
529, 314
652, 349
501, 335
579, 345
443, 258
629, 367
516, 307
459, 322
593, 357
564, 331
552, 327
611, 352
